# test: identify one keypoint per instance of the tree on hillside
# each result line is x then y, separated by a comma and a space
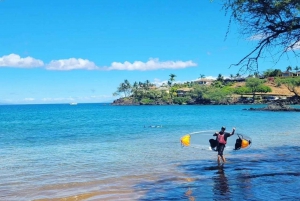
256, 74
172, 78
272, 73
289, 68
274, 24
134, 89
218, 95
125, 88
220, 78
170, 82
256, 85
202, 76
291, 84
147, 84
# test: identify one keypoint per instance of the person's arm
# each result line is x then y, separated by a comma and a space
233, 130
216, 134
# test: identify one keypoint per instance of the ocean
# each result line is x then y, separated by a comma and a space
104, 152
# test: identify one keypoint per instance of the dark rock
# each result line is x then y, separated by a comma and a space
276, 106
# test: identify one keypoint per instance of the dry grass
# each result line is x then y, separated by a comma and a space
276, 90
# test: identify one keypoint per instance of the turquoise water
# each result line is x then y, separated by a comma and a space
103, 152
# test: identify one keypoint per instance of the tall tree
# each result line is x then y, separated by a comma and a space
202, 76
172, 77
147, 84
256, 85
291, 83
220, 78
124, 87
274, 24
289, 68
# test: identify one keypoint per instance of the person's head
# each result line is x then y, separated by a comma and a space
223, 128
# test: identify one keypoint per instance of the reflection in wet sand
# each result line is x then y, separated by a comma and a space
189, 194
221, 186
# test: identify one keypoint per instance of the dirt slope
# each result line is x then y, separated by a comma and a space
278, 91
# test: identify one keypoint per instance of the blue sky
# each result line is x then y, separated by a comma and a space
80, 51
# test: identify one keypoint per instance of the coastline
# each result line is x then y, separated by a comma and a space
129, 102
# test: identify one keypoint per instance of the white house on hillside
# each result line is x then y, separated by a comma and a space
204, 81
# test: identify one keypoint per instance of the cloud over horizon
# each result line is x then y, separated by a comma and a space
14, 60
71, 64
151, 64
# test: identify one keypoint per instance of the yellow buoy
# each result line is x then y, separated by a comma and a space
185, 140
245, 143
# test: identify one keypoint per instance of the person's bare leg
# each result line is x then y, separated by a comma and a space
223, 159
219, 159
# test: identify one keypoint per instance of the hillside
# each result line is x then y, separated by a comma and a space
277, 91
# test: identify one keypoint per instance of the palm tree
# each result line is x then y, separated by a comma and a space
289, 68
147, 84
126, 87
296, 69
256, 74
172, 77
135, 89
141, 85
202, 76
220, 78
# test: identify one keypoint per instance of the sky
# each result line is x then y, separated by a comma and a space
63, 51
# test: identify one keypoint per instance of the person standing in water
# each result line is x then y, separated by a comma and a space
222, 140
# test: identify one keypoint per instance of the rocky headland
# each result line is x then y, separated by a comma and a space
276, 107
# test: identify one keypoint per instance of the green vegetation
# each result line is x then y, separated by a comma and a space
291, 83
256, 85
220, 91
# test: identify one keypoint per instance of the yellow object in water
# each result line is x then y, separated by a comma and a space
245, 143
185, 140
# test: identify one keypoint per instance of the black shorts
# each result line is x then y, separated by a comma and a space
220, 149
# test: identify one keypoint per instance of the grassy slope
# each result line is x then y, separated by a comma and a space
278, 91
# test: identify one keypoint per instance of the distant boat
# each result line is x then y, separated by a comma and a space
73, 103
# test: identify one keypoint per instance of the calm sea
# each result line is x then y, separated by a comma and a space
104, 152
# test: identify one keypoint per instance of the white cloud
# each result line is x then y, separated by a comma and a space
14, 60
158, 82
29, 99
152, 64
71, 64
257, 37
296, 46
